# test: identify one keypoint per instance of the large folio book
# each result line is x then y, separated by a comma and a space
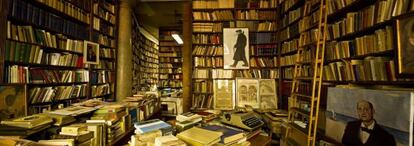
29, 122
200, 137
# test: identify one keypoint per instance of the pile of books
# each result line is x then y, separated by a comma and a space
78, 133
147, 131
25, 125
116, 119
213, 135
187, 120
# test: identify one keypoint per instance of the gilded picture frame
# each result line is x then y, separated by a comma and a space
90, 52
405, 45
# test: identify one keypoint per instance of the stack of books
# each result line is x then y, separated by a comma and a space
274, 119
187, 120
25, 125
115, 118
168, 141
230, 135
153, 125
199, 137
147, 138
78, 132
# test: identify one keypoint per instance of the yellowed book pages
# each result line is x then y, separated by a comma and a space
199, 137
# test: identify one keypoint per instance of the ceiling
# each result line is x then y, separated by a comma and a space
158, 13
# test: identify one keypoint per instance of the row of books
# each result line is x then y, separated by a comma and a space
41, 37
289, 4
202, 101
31, 14
207, 39
103, 14
333, 6
170, 54
170, 83
368, 17
208, 61
258, 4
170, 70
169, 49
103, 64
267, 26
103, 27
103, 40
367, 69
56, 93
255, 15
263, 62
262, 38
220, 73
253, 26
26, 53
22, 74
201, 4
175, 60
170, 65
145, 69
171, 76
108, 5
309, 21
310, 36
380, 41
208, 27
290, 46
289, 32
208, 50
69, 9
98, 77
263, 50
168, 43
292, 16
100, 90
144, 52
307, 71
106, 52
218, 15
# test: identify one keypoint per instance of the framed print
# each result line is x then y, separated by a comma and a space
268, 94
13, 103
248, 92
224, 94
90, 52
405, 45
391, 111
236, 48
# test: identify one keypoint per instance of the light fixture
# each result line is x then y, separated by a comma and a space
177, 38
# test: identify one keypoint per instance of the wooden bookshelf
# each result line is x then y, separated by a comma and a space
43, 49
145, 58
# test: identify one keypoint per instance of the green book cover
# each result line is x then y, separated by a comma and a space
17, 52
12, 50
7, 51
26, 54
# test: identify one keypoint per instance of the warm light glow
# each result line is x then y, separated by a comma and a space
177, 38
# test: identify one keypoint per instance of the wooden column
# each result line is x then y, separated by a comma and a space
124, 54
187, 58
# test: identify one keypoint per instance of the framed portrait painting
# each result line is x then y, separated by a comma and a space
13, 103
405, 45
248, 93
224, 94
91, 52
236, 48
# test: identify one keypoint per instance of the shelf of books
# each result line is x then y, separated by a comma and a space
145, 59
170, 58
104, 32
213, 45
44, 51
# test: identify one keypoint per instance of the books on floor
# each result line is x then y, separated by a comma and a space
152, 125
229, 135
168, 141
199, 137
29, 122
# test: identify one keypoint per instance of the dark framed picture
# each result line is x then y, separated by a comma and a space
236, 48
13, 103
224, 98
91, 52
405, 45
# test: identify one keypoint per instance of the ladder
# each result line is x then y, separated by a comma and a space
316, 82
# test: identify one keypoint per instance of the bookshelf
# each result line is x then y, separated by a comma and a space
209, 18
170, 58
43, 51
145, 59
103, 32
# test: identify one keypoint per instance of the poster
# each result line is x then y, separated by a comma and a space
224, 94
236, 48
392, 111
248, 92
268, 94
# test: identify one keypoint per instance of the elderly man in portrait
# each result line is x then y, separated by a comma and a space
366, 131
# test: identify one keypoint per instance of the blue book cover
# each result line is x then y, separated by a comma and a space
151, 125
229, 135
